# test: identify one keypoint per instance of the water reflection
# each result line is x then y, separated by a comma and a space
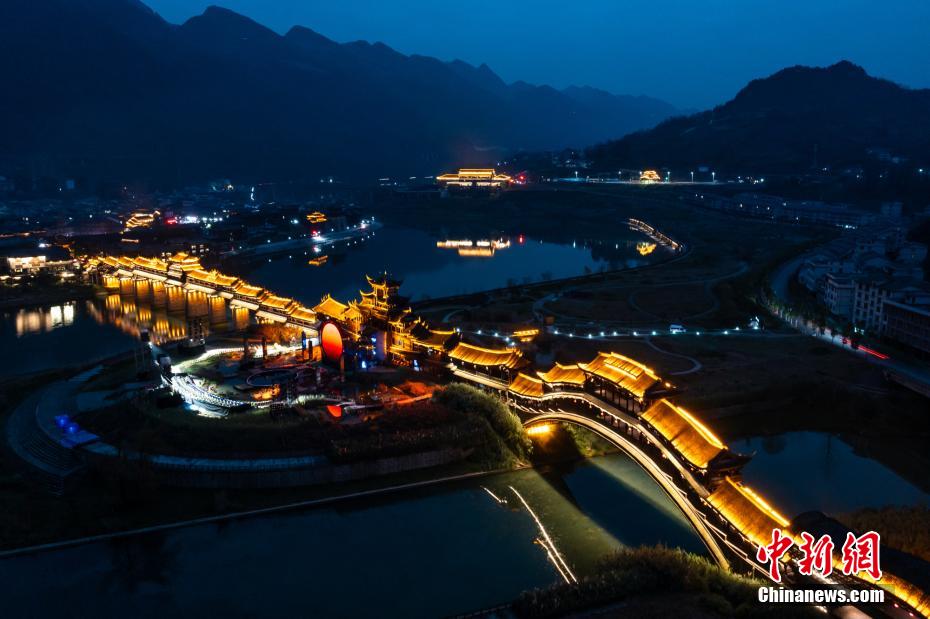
193, 312
43, 319
431, 267
802, 471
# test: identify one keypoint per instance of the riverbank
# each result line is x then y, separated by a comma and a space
655, 582
14, 298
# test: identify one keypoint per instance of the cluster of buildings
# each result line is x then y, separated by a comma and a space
26, 257
777, 208
874, 280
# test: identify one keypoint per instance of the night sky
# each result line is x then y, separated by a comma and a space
692, 54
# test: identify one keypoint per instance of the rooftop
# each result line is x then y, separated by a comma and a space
690, 437
476, 355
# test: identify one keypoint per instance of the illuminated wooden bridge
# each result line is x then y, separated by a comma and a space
182, 275
612, 395
627, 403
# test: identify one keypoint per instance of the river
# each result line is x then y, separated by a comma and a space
428, 552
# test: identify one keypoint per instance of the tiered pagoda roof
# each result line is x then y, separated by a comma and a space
430, 338
334, 309
184, 261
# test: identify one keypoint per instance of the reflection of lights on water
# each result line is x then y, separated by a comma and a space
494, 496
31, 321
546, 542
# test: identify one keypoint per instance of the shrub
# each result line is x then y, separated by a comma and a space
474, 402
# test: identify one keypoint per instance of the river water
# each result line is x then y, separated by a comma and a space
430, 271
421, 553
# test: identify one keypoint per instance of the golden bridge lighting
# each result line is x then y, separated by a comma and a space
316, 217
539, 429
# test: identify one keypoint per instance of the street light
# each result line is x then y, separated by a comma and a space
692, 176
713, 177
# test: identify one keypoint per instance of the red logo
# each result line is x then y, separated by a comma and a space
773, 552
817, 555
858, 554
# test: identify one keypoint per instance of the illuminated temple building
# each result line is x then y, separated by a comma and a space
649, 176
469, 178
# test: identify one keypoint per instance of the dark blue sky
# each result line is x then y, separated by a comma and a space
691, 53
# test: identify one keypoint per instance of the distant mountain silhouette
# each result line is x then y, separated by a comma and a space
108, 87
786, 122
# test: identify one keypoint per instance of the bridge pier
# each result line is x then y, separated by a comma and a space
176, 298
197, 304
143, 290
159, 294
240, 318
110, 282
127, 286
217, 310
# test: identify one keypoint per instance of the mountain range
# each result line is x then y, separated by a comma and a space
794, 120
109, 88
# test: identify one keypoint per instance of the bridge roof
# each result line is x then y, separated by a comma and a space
276, 301
151, 263
476, 355
688, 435
249, 290
432, 338
622, 371
202, 275
304, 313
331, 307
747, 511
224, 280
185, 261
571, 374
213, 277
527, 386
